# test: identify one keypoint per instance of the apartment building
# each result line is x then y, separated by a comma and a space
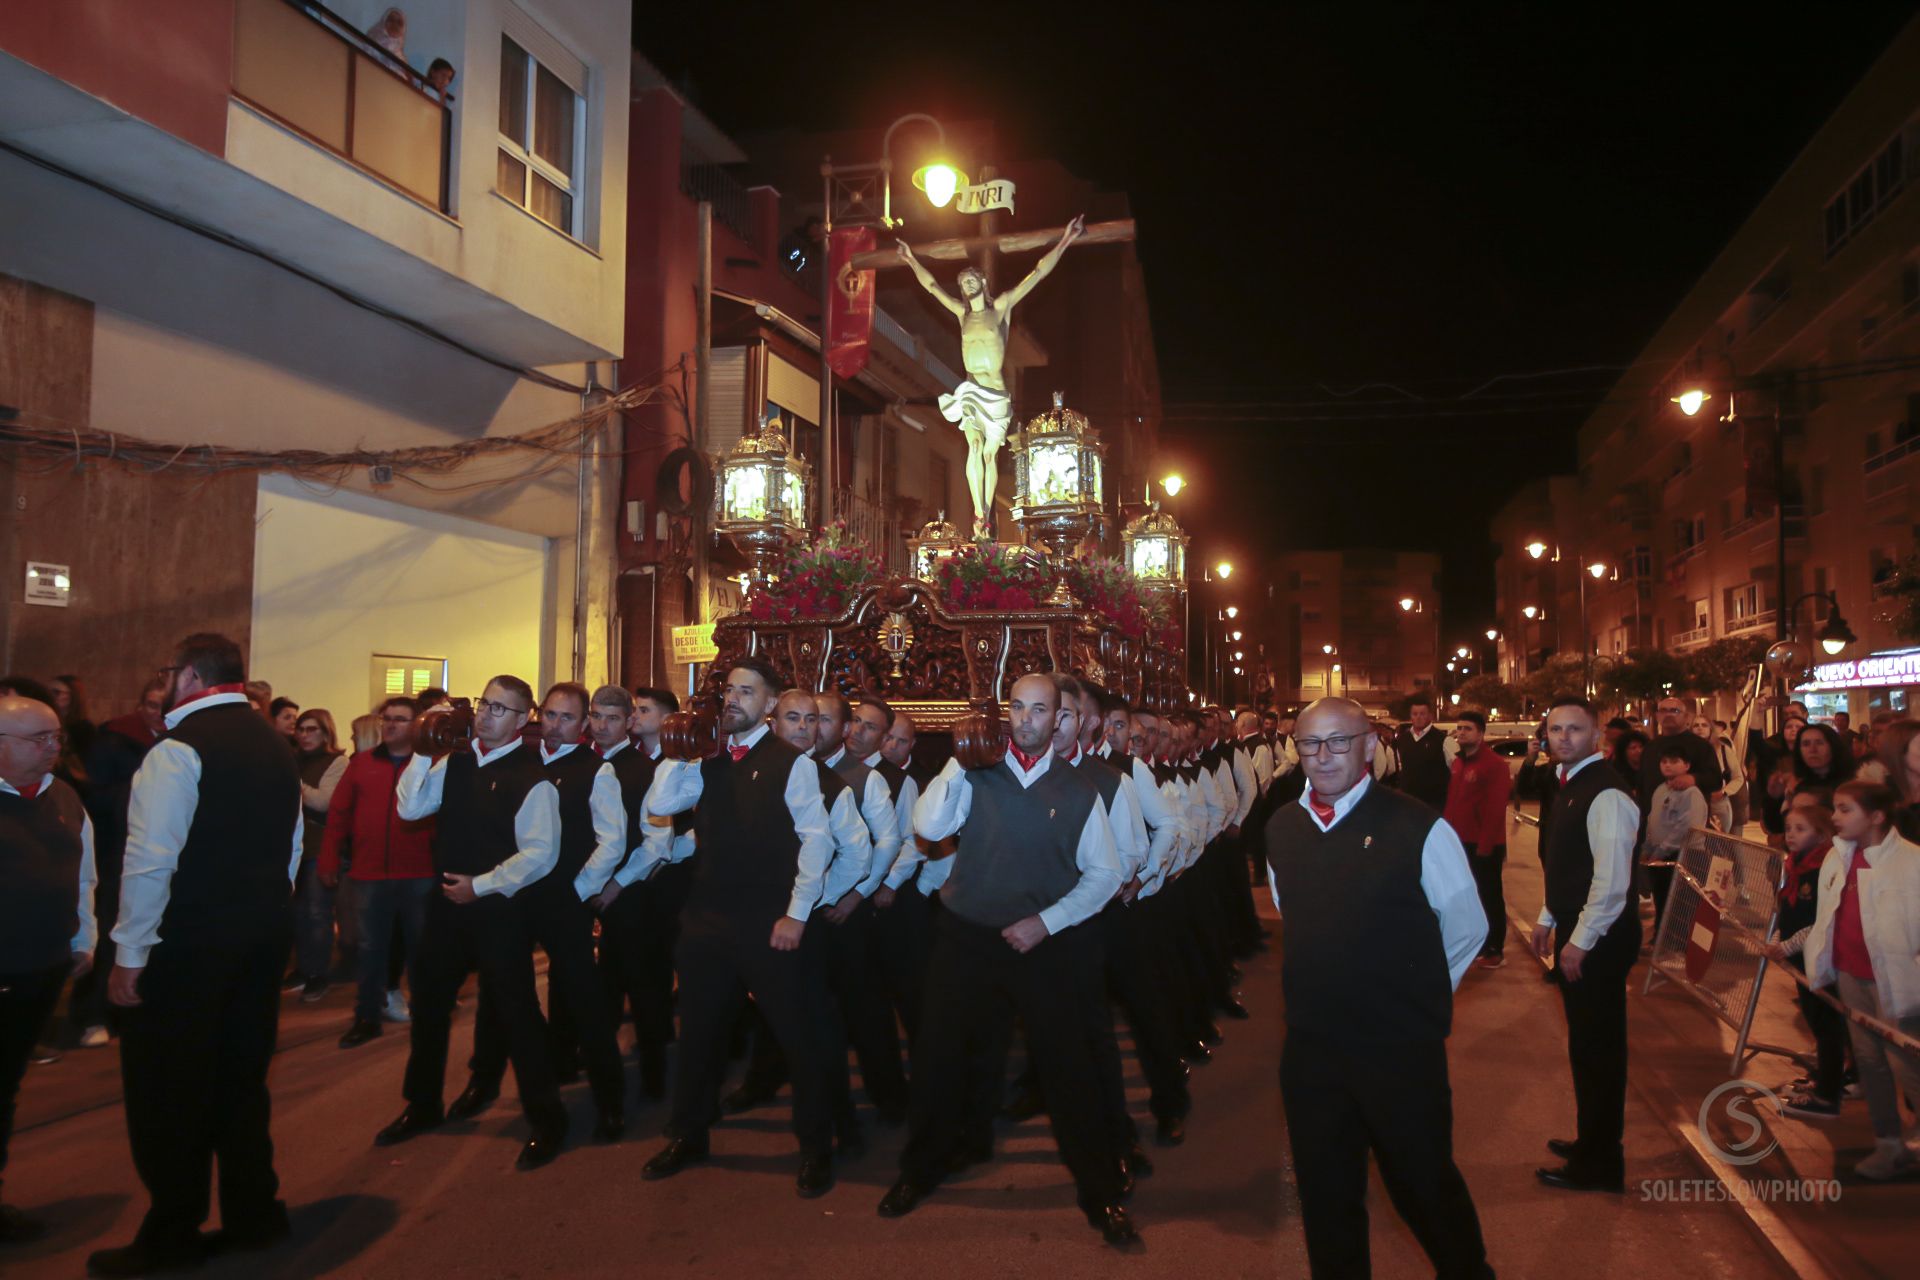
1356, 624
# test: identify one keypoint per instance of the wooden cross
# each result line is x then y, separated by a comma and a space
1119, 231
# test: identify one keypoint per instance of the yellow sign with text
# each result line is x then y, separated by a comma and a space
694, 643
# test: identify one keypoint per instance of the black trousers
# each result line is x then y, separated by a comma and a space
1136, 979
723, 958
637, 938
1829, 1027
1488, 877
193, 1065
1236, 895
1596, 1008
902, 940
1206, 929
1343, 1101
26, 1002
487, 937
579, 1016
1185, 964
853, 975
979, 983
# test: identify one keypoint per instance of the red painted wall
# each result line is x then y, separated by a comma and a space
169, 62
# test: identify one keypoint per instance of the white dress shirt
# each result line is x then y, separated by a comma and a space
1246, 785
1613, 825
852, 847
1229, 791
1445, 878
1193, 820
660, 845
609, 810
906, 863
536, 827
943, 810
1124, 821
166, 792
1213, 806
88, 935
677, 786
1162, 827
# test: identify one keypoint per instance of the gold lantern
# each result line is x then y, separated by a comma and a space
1057, 463
1154, 549
936, 542
761, 500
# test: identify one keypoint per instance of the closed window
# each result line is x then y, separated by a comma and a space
541, 130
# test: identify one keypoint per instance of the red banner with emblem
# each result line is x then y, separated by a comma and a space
850, 315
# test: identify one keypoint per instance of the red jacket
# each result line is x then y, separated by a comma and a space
380, 844
1477, 800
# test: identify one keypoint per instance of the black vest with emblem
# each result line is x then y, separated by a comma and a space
854, 770
1018, 852
40, 852
1424, 772
231, 883
1363, 960
1104, 777
893, 775
635, 771
749, 848
478, 805
572, 776
1569, 857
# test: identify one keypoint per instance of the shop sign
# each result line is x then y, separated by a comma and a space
1875, 671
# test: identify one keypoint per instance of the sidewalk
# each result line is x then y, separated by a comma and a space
1680, 1053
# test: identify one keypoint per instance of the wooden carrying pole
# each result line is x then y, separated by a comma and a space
1117, 232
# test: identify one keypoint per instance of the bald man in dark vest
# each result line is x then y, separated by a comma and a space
1380, 918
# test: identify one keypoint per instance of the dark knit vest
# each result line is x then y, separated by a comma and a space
749, 847
855, 771
1104, 777
478, 805
1424, 773
893, 775
572, 776
1363, 960
40, 852
1018, 850
230, 885
635, 770
831, 785
1569, 854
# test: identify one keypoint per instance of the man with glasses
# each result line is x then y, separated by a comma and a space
214, 836
593, 840
391, 863
1382, 920
499, 833
1674, 717
46, 904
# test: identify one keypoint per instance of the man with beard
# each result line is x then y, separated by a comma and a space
1382, 919
762, 832
1035, 860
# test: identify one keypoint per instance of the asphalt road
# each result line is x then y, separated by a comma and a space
1222, 1205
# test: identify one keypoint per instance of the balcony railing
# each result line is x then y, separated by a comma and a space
1692, 639
309, 69
732, 206
1685, 554
1752, 622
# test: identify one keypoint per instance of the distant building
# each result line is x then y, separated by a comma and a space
241, 224
1350, 602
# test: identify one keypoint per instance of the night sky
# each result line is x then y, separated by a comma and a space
1348, 212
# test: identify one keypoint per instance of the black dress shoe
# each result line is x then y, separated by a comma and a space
1137, 1163
1567, 1178
411, 1122
1210, 1034
359, 1033
969, 1155
1113, 1223
1235, 1010
1170, 1131
675, 1156
1198, 1054
473, 1099
17, 1227
747, 1097
1126, 1181
902, 1198
139, 1259
815, 1177
611, 1126
542, 1149
1026, 1105
1565, 1148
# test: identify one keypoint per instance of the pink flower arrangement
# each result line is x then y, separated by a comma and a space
818, 580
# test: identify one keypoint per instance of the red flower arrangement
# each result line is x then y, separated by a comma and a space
987, 577
1103, 585
818, 580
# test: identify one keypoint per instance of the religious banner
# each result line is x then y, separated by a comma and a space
850, 321
1763, 476
986, 197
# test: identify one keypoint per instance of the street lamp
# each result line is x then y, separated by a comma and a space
1493, 633
1233, 611
1407, 603
1224, 569
1531, 613
1236, 635
1173, 484
1536, 549
1691, 400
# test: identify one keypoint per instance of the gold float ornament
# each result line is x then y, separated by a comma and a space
1154, 550
760, 503
896, 637
1057, 486
937, 542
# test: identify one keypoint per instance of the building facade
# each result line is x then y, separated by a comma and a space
1794, 477
245, 226
1356, 624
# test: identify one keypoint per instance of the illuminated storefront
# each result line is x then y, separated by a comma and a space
1884, 681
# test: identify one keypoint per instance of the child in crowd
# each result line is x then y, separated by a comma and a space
1866, 941
1809, 838
1678, 807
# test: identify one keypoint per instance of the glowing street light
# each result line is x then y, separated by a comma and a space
1530, 612
1407, 603
1536, 548
1233, 611
939, 181
1461, 652
1599, 570
1224, 569
1238, 655
1327, 649
1173, 484
1493, 633
1236, 635
1690, 401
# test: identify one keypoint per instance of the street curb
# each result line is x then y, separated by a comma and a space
1768, 1227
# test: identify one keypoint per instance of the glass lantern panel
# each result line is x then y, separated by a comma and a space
746, 493
1150, 558
1093, 468
1053, 473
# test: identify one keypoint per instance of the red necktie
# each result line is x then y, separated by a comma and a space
738, 753
1321, 809
1563, 775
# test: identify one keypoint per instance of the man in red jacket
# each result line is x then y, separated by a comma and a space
1477, 812
389, 859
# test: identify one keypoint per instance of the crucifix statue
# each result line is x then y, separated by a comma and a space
980, 405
